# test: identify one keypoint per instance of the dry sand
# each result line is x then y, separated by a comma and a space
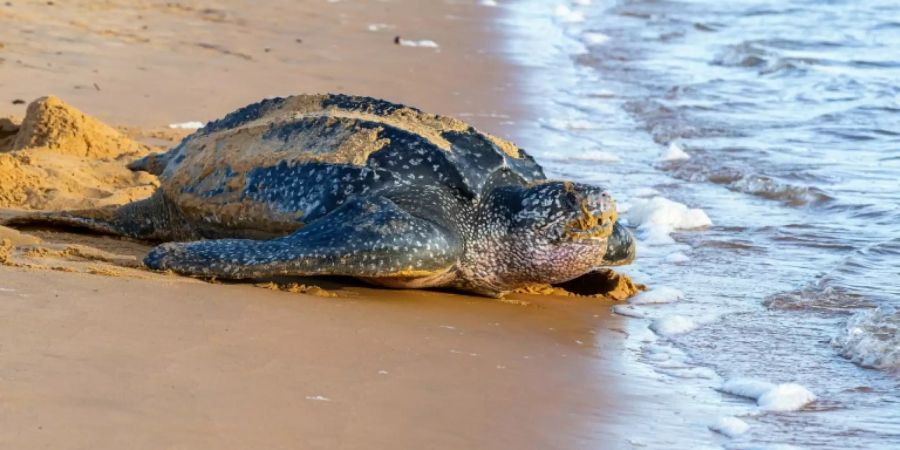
61, 158
152, 63
97, 353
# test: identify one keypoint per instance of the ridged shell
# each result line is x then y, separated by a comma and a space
276, 164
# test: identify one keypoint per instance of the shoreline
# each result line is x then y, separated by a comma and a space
163, 361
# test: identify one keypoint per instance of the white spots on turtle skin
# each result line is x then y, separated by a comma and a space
351, 241
520, 240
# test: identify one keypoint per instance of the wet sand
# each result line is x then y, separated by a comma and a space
104, 362
98, 354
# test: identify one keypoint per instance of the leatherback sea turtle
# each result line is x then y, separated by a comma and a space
355, 186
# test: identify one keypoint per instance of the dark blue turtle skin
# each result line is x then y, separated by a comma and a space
356, 186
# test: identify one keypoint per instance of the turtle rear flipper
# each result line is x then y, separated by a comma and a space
154, 163
369, 238
152, 219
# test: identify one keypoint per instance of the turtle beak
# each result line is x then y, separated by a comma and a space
619, 247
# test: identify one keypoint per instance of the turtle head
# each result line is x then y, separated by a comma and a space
554, 232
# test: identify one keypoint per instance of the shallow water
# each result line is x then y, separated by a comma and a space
780, 121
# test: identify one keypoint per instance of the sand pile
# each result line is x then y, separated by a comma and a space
603, 283
61, 158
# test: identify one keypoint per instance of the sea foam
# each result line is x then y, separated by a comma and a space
677, 258
872, 338
730, 426
630, 311
674, 152
661, 211
746, 387
662, 294
570, 124
674, 324
566, 14
645, 192
594, 38
785, 397
769, 396
657, 217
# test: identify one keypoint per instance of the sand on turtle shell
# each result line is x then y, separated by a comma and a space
61, 158
243, 139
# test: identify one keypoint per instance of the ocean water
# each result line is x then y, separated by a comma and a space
754, 146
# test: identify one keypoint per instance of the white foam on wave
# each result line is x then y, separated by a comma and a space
674, 152
630, 311
872, 338
668, 213
677, 258
653, 247
660, 353
193, 125
730, 426
423, 43
704, 373
594, 38
669, 360
785, 397
566, 14
769, 396
673, 325
746, 387
570, 124
487, 3
656, 235
645, 192
656, 296
657, 217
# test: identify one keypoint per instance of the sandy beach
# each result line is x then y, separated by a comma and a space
98, 353
111, 362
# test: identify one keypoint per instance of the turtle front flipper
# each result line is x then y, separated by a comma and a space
152, 219
370, 238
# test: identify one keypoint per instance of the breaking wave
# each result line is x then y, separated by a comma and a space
871, 338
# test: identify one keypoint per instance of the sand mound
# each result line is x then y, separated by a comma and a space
8, 129
53, 124
61, 158
16, 237
603, 283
